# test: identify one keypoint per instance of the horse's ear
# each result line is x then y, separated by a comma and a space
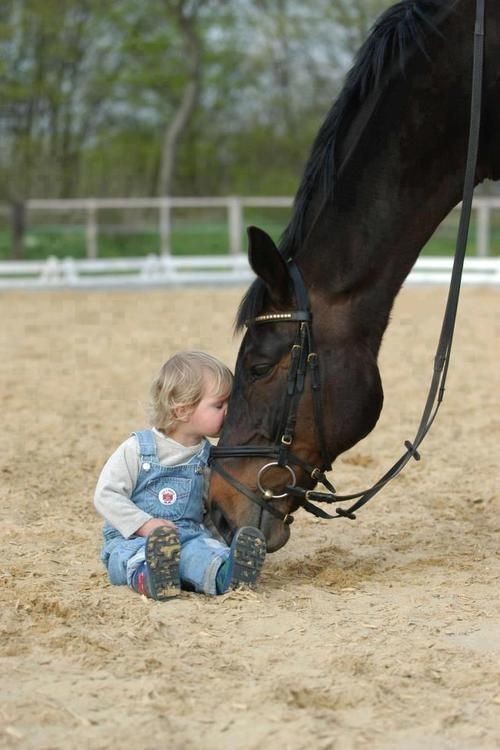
267, 262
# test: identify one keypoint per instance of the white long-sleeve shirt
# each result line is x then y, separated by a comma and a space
119, 476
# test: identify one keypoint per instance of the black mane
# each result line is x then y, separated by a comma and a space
400, 26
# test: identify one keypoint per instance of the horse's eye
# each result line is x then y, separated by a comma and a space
258, 371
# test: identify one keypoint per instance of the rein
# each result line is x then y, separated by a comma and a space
304, 360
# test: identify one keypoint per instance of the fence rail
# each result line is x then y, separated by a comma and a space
234, 207
157, 270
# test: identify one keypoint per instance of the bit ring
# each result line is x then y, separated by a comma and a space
269, 493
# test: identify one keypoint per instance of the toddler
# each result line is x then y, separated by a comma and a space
150, 491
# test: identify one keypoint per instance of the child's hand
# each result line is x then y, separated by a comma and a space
152, 524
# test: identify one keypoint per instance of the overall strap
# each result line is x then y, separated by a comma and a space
147, 443
204, 453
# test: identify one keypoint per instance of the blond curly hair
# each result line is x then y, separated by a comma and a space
181, 381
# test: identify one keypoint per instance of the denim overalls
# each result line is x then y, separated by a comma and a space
176, 494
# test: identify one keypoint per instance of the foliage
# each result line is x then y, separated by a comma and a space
90, 90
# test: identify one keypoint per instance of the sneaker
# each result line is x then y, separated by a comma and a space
246, 557
158, 577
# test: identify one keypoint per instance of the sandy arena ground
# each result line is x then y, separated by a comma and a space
381, 634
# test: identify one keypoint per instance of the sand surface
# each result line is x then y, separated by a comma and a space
381, 634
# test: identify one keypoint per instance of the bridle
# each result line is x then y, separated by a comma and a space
304, 361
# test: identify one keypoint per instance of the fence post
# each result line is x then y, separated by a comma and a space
165, 227
235, 223
18, 229
91, 229
483, 230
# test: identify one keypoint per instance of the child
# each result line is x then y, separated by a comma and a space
150, 491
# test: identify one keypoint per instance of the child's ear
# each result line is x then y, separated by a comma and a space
183, 412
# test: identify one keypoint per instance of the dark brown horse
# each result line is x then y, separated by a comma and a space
385, 169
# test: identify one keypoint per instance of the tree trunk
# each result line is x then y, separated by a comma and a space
187, 105
17, 229
172, 137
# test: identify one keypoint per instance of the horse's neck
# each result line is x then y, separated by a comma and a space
377, 234
402, 177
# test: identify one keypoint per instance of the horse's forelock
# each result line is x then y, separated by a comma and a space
252, 304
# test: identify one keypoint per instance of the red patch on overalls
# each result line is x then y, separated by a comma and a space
167, 496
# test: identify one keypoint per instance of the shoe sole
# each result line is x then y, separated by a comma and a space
162, 556
248, 557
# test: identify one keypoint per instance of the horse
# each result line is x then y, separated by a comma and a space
385, 168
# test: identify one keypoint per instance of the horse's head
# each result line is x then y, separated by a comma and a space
272, 408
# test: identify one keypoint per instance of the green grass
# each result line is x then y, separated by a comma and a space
444, 240
200, 238
195, 238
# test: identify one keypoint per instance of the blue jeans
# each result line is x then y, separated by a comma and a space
200, 558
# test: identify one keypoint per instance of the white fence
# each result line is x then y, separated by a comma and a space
166, 269
157, 270
234, 207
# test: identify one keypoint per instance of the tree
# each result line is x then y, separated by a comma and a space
51, 98
169, 96
186, 15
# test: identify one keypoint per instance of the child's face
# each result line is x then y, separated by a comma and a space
207, 418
